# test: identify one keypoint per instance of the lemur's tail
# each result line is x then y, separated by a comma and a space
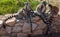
4, 22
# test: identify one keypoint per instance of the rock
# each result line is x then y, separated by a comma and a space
19, 23
8, 29
21, 35
40, 29
34, 26
35, 19
13, 34
16, 29
5, 36
41, 24
26, 28
11, 22
1, 16
1, 22
37, 32
56, 24
3, 32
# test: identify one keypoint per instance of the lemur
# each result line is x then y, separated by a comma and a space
19, 15
47, 18
24, 12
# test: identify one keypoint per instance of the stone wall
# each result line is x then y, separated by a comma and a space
22, 28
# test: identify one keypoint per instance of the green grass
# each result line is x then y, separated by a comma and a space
12, 6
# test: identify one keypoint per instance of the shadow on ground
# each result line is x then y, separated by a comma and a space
52, 35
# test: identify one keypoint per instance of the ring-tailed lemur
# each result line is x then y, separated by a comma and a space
4, 21
20, 14
17, 16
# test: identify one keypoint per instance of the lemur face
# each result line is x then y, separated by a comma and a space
27, 6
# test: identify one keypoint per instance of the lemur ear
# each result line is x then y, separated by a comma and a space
44, 2
50, 5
